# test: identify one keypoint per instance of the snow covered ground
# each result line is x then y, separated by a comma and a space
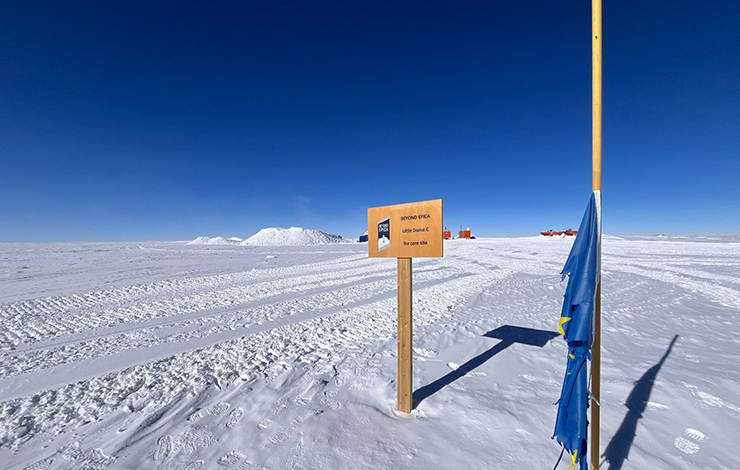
175, 356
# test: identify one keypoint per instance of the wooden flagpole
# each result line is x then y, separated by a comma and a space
596, 77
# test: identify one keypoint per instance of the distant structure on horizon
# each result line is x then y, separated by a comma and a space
569, 233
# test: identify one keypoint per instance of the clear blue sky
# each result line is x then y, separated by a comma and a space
170, 120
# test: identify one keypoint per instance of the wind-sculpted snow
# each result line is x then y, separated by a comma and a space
275, 364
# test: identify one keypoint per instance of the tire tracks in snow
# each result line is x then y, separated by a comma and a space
315, 340
184, 330
35, 321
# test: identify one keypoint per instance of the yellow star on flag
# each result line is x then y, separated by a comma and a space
563, 321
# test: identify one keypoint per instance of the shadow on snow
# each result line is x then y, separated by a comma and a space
508, 335
619, 447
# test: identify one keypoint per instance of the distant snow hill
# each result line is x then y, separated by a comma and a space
291, 237
213, 241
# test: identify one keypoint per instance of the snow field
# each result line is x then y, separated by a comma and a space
289, 362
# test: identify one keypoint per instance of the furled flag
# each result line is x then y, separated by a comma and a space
576, 324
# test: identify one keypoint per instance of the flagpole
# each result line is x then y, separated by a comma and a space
596, 64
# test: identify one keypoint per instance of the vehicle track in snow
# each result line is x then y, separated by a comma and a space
146, 347
178, 321
303, 304
305, 331
35, 320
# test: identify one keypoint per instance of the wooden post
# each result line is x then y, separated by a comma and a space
405, 382
596, 64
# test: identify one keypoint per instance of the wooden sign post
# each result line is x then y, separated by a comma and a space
405, 337
405, 231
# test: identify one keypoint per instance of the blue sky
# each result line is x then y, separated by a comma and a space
157, 120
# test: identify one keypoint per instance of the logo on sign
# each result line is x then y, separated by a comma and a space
384, 233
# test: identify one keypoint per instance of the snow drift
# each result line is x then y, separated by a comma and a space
291, 237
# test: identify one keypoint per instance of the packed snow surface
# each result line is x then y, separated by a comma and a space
293, 236
169, 356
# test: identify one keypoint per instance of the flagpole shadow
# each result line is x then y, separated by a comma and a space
619, 446
508, 335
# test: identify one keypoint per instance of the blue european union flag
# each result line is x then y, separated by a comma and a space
576, 324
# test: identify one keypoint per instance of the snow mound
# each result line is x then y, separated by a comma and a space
235, 240
291, 237
210, 241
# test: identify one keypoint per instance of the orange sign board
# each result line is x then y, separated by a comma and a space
411, 230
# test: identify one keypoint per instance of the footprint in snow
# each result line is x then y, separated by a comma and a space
329, 401
265, 423
218, 408
40, 465
193, 439
294, 460
686, 442
360, 383
685, 445
695, 434
280, 406
197, 465
230, 459
234, 417
164, 447
301, 401
280, 437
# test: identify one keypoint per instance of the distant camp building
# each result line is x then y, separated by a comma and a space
363, 237
551, 233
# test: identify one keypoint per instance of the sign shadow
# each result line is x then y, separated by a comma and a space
619, 446
508, 335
